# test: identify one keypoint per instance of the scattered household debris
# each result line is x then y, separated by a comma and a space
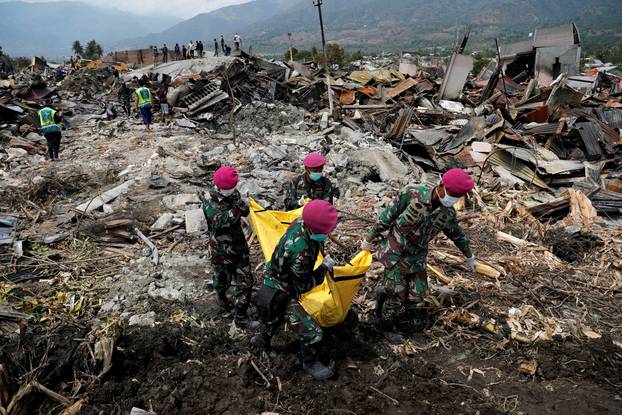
106, 245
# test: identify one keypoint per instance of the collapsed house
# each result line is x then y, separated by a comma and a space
108, 246
549, 53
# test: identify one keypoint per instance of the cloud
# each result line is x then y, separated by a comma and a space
178, 8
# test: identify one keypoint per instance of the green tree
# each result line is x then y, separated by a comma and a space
93, 50
286, 54
335, 54
481, 59
77, 48
356, 56
299, 55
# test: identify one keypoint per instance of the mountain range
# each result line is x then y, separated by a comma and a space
373, 25
368, 25
49, 29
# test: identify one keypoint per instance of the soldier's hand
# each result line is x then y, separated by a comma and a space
328, 262
366, 246
301, 201
472, 263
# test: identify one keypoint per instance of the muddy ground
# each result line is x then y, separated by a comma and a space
185, 357
198, 364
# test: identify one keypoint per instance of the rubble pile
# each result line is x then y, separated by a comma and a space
105, 253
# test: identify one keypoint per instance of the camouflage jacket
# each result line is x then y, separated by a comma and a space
299, 186
226, 238
412, 223
291, 266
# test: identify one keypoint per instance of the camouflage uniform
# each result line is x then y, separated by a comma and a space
125, 96
291, 271
228, 247
412, 223
300, 186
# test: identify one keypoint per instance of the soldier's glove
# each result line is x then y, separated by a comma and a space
366, 246
301, 202
328, 262
472, 263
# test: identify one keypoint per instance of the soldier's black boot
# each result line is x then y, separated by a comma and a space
381, 297
419, 318
313, 366
385, 325
223, 301
241, 319
261, 341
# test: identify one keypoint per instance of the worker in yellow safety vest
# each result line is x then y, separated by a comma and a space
143, 102
50, 121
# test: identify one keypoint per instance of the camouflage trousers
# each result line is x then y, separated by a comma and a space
301, 323
403, 286
237, 275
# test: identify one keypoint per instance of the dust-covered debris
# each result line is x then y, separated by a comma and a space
93, 315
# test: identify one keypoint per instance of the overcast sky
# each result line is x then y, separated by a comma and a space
178, 8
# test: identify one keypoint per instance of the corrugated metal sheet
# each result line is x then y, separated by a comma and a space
561, 166
513, 49
612, 117
429, 137
591, 135
517, 167
554, 36
542, 129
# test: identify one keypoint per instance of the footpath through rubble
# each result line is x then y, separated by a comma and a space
106, 300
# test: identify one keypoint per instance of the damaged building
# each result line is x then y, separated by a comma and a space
549, 53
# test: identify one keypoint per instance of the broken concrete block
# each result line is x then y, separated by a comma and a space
195, 222
165, 292
143, 320
138, 411
163, 222
384, 163
186, 123
102, 199
16, 153
182, 201
324, 121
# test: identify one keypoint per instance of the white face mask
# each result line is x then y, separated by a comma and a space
447, 201
227, 193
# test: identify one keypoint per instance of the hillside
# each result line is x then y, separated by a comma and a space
396, 24
50, 28
206, 26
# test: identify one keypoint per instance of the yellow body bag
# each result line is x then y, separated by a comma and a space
330, 301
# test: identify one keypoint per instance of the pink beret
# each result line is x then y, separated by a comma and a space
458, 181
314, 160
226, 178
320, 216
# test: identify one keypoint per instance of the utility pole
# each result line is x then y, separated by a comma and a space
318, 4
291, 55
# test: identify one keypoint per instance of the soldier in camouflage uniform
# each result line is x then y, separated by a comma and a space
412, 220
311, 185
228, 248
289, 274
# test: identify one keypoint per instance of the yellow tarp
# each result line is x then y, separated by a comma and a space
330, 301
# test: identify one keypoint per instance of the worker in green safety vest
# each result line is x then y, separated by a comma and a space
143, 102
50, 121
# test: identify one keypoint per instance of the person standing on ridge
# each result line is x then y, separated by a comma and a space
50, 122
144, 102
